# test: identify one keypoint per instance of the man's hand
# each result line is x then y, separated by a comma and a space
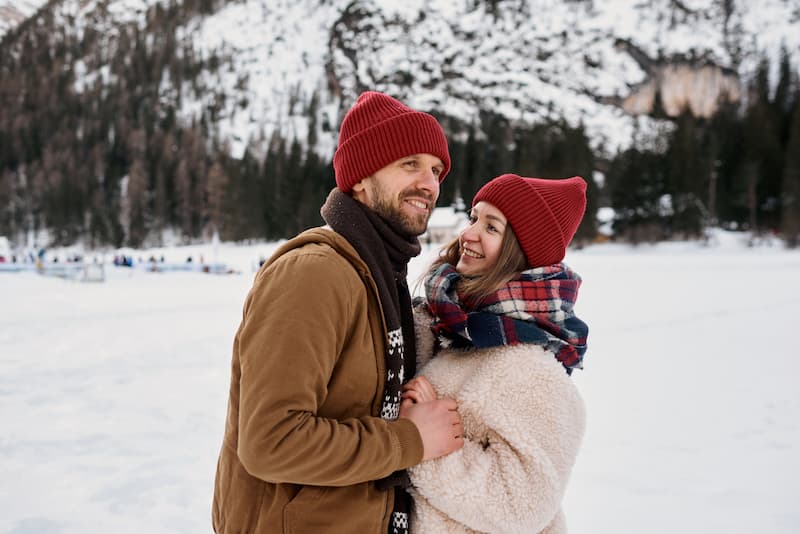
438, 423
419, 389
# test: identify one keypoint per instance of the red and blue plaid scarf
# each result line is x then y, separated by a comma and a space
535, 307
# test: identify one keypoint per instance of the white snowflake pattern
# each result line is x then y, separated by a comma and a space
400, 522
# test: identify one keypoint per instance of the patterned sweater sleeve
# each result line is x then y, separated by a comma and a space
512, 476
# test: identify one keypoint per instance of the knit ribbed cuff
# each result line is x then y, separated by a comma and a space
410, 441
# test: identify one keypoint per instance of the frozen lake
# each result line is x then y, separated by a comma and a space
113, 395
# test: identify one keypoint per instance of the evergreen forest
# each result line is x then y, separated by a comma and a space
111, 165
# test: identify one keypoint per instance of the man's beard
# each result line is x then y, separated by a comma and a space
394, 215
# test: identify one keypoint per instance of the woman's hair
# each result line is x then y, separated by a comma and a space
510, 262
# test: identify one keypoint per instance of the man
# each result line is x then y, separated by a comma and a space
315, 440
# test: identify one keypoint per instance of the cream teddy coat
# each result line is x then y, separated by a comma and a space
523, 422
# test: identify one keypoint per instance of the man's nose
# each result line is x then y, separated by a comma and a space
430, 182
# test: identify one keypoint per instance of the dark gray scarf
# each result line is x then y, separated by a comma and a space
386, 250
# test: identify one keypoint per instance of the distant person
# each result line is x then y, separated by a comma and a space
497, 333
315, 439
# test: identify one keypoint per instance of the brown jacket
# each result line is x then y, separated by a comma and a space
303, 440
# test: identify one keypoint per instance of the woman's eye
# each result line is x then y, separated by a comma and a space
472, 219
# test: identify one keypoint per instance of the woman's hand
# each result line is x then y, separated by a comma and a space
418, 390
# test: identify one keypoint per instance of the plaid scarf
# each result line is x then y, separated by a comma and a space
386, 250
535, 307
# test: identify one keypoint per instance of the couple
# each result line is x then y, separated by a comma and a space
353, 411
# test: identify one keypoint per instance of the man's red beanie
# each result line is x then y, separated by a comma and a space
544, 214
379, 130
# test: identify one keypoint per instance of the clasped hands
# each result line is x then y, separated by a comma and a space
437, 420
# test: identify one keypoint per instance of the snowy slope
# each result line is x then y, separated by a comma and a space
14, 12
528, 60
524, 59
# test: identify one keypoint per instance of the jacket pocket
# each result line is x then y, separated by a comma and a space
237, 495
301, 515
337, 510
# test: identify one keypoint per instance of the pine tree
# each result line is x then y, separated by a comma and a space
217, 195
137, 204
272, 202
725, 142
291, 185
578, 159
763, 160
475, 171
637, 182
453, 185
7, 204
689, 167
183, 196
790, 197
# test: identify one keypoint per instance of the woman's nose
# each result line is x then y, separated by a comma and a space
469, 234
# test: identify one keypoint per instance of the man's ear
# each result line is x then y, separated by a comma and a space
359, 190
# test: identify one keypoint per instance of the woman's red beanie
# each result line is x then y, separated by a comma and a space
544, 214
379, 130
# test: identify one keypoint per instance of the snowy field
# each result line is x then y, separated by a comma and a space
113, 395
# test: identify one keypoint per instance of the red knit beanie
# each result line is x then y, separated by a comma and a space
544, 214
379, 130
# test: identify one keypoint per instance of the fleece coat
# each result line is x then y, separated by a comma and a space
304, 440
523, 422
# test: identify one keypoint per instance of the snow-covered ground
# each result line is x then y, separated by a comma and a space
113, 395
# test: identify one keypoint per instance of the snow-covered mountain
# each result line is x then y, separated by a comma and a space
14, 12
598, 62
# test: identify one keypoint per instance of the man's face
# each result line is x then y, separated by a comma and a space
404, 192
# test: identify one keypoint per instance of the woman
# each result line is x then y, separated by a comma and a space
498, 320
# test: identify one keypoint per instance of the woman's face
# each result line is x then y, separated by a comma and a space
480, 241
